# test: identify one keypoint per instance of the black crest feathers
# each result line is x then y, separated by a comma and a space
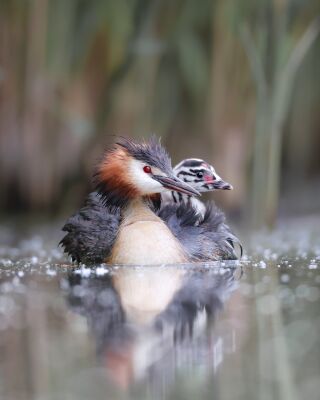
151, 152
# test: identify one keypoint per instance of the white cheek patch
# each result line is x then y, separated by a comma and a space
142, 180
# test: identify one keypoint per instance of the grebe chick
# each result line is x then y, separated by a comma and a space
201, 176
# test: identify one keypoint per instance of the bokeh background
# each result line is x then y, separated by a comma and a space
233, 82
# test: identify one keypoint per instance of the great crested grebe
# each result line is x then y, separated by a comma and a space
124, 223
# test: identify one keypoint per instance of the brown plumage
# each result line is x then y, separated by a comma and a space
111, 177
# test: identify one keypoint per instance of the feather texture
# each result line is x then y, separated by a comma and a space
91, 232
207, 238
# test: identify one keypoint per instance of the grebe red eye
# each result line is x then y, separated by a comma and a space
147, 169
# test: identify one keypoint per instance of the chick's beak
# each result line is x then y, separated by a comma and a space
222, 185
176, 184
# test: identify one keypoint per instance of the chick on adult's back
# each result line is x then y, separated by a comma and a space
129, 180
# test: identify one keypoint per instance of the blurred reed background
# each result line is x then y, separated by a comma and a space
233, 82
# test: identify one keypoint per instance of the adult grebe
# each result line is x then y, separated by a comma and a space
126, 224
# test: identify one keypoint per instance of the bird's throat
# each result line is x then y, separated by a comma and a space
143, 238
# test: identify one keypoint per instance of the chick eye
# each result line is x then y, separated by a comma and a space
199, 174
147, 169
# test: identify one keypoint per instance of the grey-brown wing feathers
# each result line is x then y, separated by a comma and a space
91, 231
208, 238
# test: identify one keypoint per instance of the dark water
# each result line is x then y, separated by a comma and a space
248, 330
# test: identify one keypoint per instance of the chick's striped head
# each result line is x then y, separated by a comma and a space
200, 175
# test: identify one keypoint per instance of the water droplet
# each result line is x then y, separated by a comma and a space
284, 278
100, 271
34, 260
262, 264
85, 272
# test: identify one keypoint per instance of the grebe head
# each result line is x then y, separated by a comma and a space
132, 169
200, 175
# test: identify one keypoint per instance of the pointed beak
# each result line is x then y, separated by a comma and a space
176, 184
222, 185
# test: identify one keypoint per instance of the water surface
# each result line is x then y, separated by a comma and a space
246, 330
